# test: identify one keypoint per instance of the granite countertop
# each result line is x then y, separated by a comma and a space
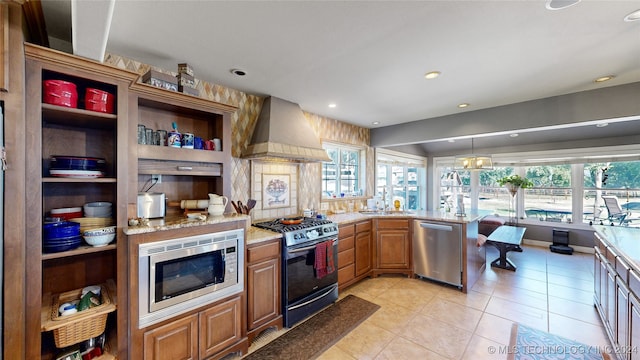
256, 235
346, 218
624, 239
179, 222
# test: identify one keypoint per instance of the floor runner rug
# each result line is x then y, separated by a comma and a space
531, 344
312, 337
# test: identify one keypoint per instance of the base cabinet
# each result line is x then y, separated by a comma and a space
198, 336
355, 253
393, 246
263, 288
176, 340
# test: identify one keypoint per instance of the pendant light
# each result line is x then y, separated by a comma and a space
473, 161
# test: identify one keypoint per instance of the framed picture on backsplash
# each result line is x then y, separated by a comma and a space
276, 191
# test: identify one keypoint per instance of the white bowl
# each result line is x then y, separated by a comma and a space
99, 240
97, 209
107, 230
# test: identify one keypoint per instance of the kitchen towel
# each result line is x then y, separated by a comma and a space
324, 261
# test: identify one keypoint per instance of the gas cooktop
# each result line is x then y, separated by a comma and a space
305, 230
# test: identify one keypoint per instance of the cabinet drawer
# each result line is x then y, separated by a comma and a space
346, 274
363, 226
393, 224
345, 244
344, 231
611, 256
168, 167
345, 258
263, 251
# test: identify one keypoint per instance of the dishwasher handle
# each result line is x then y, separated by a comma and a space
436, 226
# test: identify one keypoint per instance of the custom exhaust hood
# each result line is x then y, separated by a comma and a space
283, 133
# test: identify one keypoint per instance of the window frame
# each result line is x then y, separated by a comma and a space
575, 157
360, 176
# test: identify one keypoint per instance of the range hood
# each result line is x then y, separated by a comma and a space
283, 133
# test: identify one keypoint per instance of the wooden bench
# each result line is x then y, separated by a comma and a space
506, 238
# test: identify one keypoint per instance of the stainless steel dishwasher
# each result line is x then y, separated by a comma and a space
437, 251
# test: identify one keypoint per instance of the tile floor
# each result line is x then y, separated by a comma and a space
419, 319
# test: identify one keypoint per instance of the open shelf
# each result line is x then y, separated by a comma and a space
82, 250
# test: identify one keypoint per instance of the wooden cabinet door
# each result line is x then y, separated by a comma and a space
634, 327
363, 253
610, 307
346, 254
220, 327
622, 314
393, 249
263, 292
177, 340
597, 288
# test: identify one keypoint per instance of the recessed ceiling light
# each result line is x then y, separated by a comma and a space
604, 78
514, 135
432, 75
376, 123
560, 4
602, 124
463, 105
238, 72
332, 105
633, 16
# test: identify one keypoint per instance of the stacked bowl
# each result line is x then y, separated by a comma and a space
60, 236
99, 209
65, 214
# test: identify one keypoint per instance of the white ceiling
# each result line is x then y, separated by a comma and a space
370, 57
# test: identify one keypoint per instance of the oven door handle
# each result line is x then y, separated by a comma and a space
308, 248
312, 300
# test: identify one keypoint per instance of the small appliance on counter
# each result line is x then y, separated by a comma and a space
151, 205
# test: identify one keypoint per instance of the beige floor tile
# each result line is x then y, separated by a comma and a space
495, 328
574, 310
400, 348
575, 273
472, 299
412, 299
521, 296
577, 295
524, 283
485, 286
455, 314
515, 312
580, 331
335, 353
533, 274
580, 284
366, 341
392, 317
480, 348
437, 336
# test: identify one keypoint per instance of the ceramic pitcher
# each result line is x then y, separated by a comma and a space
217, 204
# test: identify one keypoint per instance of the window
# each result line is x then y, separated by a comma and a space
567, 188
401, 177
618, 179
342, 176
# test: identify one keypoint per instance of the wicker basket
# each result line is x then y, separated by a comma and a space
72, 329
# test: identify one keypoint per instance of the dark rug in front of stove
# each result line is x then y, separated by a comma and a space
315, 335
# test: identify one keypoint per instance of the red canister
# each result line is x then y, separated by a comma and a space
60, 92
98, 100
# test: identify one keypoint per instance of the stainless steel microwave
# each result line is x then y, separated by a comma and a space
178, 275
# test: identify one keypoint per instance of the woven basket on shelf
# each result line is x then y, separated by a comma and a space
72, 329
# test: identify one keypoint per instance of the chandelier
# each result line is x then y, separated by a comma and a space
473, 161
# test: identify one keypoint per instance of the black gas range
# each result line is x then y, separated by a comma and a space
309, 265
